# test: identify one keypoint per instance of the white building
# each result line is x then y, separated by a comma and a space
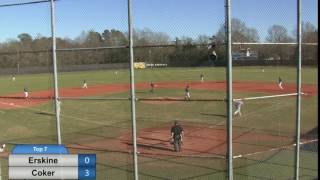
244, 54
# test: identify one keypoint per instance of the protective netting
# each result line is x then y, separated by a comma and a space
180, 76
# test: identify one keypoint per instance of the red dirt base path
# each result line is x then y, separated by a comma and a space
14, 101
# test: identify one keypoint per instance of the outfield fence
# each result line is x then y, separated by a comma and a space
137, 139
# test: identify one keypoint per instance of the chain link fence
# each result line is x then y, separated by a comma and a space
180, 72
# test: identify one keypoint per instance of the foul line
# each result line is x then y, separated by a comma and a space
274, 149
271, 96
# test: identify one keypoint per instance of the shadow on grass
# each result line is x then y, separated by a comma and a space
212, 114
142, 92
45, 114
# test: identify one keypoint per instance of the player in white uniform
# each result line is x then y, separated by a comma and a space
238, 104
85, 85
202, 78
26, 93
13, 77
187, 96
2, 148
280, 82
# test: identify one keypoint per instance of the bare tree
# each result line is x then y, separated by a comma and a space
309, 35
114, 38
278, 34
240, 32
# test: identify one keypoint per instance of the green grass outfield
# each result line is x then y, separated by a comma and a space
87, 121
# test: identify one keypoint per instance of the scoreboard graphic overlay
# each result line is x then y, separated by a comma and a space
41, 161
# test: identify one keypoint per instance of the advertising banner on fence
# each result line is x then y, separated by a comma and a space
139, 65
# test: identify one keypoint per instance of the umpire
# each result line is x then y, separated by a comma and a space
177, 136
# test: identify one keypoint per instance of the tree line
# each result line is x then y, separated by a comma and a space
186, 51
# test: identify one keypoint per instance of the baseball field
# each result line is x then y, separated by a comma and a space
98, 120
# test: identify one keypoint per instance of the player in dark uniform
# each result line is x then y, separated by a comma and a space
152, 87
212, 50
177, 136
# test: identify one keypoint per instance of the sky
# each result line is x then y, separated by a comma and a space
177, 18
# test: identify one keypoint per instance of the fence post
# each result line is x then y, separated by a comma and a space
55, 75
133, 97
229, 91
298, 105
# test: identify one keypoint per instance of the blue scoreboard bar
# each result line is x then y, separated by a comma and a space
47, 161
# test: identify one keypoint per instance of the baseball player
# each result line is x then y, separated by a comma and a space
85, 85
176, 136
26, 93
212, 49
13, 77
2, 148
187, 95
280, 82
238, 104
151, 87
202, 78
